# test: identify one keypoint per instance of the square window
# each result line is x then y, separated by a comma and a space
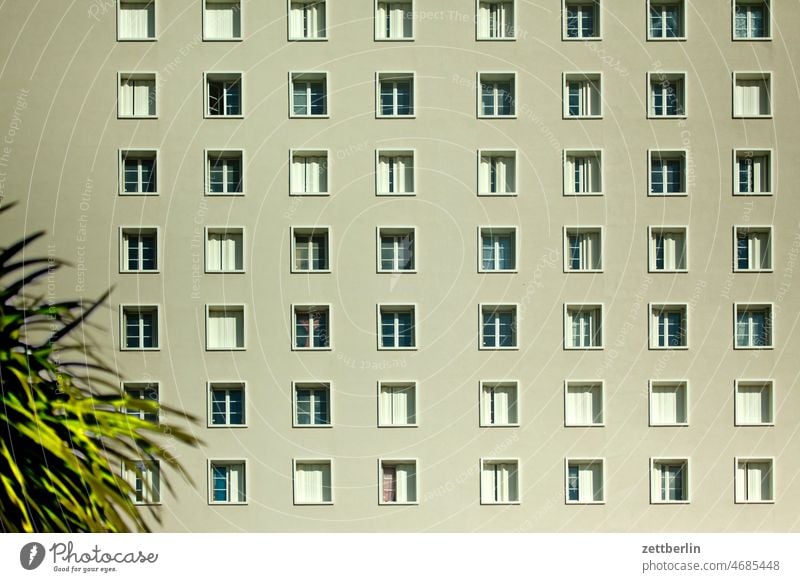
669, 327
224, 250
669, 480
137, 95
309, 94
310, 250
222, 20
581, 19
751, 20
312, 327
139, 327
755, 480
138, 173
312, 405
144, 479
226, 403
583, 327
498, 249
583, 251
394, 20
667, 94
398, 481
582, 95
752, 172
497, 95
147, 395
136, 20
225, 327
497, 173
307, 20
668, 249
397, 327
496, 20
584, 481
499, 404
396, 250
499, 481
583, 172
754, 326
752, 94
225, 172
669, 403
753, 248
667, 20
755, 403
227, 482
499, 327
224, 95
309, 173
139, 250
312, 482
583, 404
395, 173
395, 95
667, 173
397, 404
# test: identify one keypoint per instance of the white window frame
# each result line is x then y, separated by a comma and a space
593, 383
311, 307
667, 76
305, 231
595, 77
121, 38
683, 25
222, 76
396, 231
218, 230
227, 307
400, 383
312, 385
126, 387
652, 385
395, 76
378, 38
506, 461
573, 230
766, 306
653, 323
310, 76
211, 463
737, 384
310, 153
399, 152
655, 484
294, 38
151, 494
739, 495
567, 176
513, 308
393, 462
579, 461
756, 228
226, 385
156, 309
770, 23
138, 154
598, 20
769, 79
478, 24
498, 153
223, 153
137, 76
124, 232
668, 154
239, 38
312, 461
493, 231
745, 153
569, 308
483, 413
498, 76
398, 307
652, 232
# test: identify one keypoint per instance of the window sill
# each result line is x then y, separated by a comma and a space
501, 503
753, 271
395, 193
496, 38
758, 348
309, 193
584, 349
207, 116
296, 349
566, 116
397, 349
124, 349
237, 272
321, 116
498, 348
304, 39
753, 193
751, 38
313, 503
513, 425
670, 425
498, 271
381, 116
580, 38
585, 502
242, 349
231, 39
667, 194
603, 425
223, 194
400, 272
667, 38
669, 503
313, 426
224, 426
667, 271
146, 503
227, 502
583, 271
311, 272
668, 348
143, 39
151, 272
498, 194
767, 116
754, 424
139, 194
758, 502
398, 425
512, 116
137, 116
404, 39
584, 194
661, 117
400, 503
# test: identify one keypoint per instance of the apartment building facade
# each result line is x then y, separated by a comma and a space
432, 266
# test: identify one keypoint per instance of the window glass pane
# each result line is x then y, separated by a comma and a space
404, 98
317, 98
572, 482
300, 98
220, 482
303, 406
404, 330
236, 398
487, 98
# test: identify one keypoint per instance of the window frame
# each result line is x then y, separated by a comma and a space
770, 23
676, 153
395, 152
655, 488
577, 461
652, 232
239, 38
138, 154
652, 328
291, 38
137, 76
753, 152
769, 78
211, 385
153, 38
494, 77
126, 387
514, 17
219, 154
498, 153
222, 76
139, 307
738, 495
773, 409
567, 328
214, 229
394, 461
124, 232
397, 383
598, 15
310, 153
396, 308
756, 228
326, 385
311, 76
153, 467
396, 77
411, 38
506, 461
227, 461
306, 308
567, 153
492, 230
668, 76
395, 231
590, 76
766, 306
226, 307
481, 408
294, 231
651, 385
579, 382
684, 22
568, 231
513, 308
313, 461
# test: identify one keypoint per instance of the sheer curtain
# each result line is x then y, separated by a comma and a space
310, 483
310, 174
499, 482
222, 20
394, 20
754, 481
137, 20
224, 251
668, 404
396, 174
583, 405
225, 329
307, 20
584, 174
750, 97
753, 404
590, 482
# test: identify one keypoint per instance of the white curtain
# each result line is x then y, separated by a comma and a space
222, 20
584, 174
758, 249
674, 250
754, 481
126, 97
588, 98
496, 19
589, 250
310, 174
668, 404
137, 20
406, 488
236, 483
590, 482
307, 20
396, 174
750, 97
583, 405
499, 482
484, 18
396, 405
505, 405
313, 483
225, 329
502, 168
753, 404
394, 18
224, 251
